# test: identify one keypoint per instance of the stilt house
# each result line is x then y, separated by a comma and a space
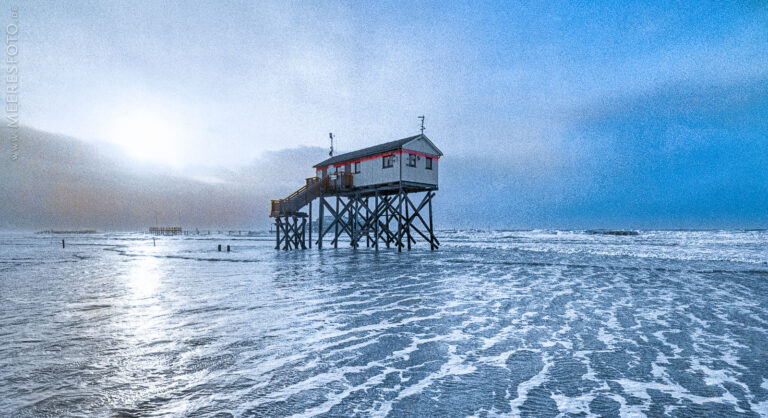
371, 187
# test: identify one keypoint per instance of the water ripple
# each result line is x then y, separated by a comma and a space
531, 323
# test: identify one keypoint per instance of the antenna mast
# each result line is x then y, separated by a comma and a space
330, 154
422, 124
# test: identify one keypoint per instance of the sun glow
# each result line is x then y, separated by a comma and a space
148, 135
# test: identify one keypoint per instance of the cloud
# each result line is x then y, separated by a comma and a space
673, 157
62, 182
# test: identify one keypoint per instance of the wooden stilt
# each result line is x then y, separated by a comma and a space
277, 234
432, 245
376, 221
320, 223
407, 222
336, 223
400, 221
310, 224
391, 217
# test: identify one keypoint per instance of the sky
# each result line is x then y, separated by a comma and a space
605, 114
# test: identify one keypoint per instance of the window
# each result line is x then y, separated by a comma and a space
411, 160
429, 163
348, 167
387, 161
357, 167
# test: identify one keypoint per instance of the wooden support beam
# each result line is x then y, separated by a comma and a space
408, 223
336, 223
432, 246
277, 233
400, 221
368, 218
427, 200
301, 238
320, 222
353, 219
376, 221
391, 217
310, 224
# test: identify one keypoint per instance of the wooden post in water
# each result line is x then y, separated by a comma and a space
277, 233
376, 220
353, 221
321, 203
399, 221
407, 222
432, 245
336, 225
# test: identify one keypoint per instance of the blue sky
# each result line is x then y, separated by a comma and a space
604, 114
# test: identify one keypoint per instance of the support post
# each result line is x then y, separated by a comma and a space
353, 219
431, 233
407, 222
336, 226
321, 203
376, 214
399, 220
277, 234
367, 221
310, 224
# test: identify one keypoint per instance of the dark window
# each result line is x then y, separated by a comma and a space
348, 167
387, 161
429, 163
411, 160
357, 167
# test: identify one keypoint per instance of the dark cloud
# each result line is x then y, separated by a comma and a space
686, 156
61, 182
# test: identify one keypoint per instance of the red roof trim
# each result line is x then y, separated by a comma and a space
385, 154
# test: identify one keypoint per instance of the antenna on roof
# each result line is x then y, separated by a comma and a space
330, 154
422, 124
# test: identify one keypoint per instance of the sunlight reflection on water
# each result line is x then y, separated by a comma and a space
144, 277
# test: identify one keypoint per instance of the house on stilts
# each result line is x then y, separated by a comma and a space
377, 195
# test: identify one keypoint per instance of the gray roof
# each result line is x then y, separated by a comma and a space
376, 149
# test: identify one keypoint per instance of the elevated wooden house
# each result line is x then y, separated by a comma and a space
371, 187
408, 162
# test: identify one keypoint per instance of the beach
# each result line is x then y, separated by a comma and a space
538, 323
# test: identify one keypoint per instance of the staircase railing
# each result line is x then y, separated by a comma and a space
301, 197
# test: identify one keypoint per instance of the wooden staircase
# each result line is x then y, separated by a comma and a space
314, 188
290, 205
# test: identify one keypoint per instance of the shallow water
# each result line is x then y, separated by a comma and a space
494, 323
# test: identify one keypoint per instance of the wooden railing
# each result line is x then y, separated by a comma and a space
313, 188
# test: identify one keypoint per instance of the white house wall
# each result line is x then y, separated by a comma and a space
420, 174
372, 173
